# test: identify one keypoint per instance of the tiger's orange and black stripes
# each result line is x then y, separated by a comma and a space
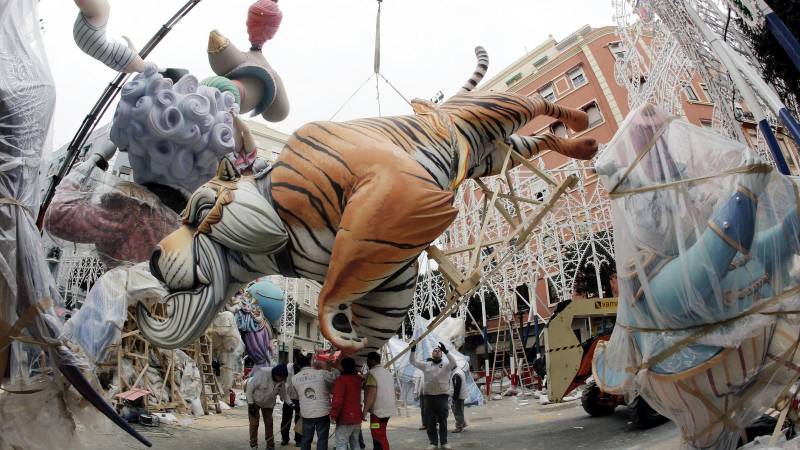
355, 203
362, 199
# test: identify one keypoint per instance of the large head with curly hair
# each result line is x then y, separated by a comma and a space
175, 135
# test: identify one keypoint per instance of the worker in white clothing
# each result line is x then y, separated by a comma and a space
312, 387
435, 392
291, 408
262, 388
460, 393
379, 400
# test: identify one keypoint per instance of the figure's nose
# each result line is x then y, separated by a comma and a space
154, 264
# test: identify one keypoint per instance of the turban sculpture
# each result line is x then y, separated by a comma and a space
174, 134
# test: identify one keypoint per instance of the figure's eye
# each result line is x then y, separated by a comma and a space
202, 212
199, 206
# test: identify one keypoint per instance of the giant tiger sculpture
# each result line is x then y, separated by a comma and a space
350, 205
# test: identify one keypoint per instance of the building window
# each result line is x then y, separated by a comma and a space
308, 330
690, 94
548, 93
577, 77
705, 92
617, 50
125, 173
593, 111
540, 61
297, 328
706, 123
558, 129
514, 79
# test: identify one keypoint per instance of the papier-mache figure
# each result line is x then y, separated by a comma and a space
257, 308
705, 235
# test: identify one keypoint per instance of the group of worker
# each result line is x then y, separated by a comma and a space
317, 393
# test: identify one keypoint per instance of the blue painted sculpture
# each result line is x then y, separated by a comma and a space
705, 235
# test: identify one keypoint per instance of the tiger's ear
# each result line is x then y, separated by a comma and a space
226, 171
421, 106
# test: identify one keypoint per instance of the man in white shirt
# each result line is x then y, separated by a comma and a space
290, 408
379, 400
460, 393
262, 388
435, 392
312, 387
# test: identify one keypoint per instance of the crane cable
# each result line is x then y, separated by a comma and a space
376, 71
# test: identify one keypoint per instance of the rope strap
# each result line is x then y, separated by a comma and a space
707, 328
14, 202
9, 333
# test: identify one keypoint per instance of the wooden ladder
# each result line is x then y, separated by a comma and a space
516, 351
210, 394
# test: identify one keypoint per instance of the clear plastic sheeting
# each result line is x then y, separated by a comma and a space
38, 420
191, 386
228, 347
409, 378
97, 326
122, 219
707, 327
27, 98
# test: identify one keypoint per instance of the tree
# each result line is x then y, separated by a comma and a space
776, 66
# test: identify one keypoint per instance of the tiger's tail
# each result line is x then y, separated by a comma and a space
480, 70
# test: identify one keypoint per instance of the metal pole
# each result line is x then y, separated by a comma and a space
101, 106
744, 89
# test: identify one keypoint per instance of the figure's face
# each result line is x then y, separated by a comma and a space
223, 221
436, 354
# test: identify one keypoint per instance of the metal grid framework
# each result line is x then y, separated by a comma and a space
566, 238
76, 275
678, 52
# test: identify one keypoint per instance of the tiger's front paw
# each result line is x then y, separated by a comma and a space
336, 323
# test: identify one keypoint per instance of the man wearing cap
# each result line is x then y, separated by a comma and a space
436, 392
262, 388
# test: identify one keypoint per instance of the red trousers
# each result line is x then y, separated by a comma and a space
377, 428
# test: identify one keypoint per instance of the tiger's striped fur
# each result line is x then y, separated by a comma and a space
480, 70
360, 200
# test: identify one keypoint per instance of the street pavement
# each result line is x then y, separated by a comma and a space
503, 424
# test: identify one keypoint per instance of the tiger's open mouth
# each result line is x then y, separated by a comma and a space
198, 287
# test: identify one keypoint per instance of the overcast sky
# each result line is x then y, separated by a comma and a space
324, 49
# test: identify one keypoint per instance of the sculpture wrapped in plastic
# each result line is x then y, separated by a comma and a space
123, 220
705, 233
27, 289
97, 325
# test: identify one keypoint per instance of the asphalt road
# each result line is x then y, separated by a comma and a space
504, 424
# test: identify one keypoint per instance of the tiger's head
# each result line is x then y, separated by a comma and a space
229, 230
